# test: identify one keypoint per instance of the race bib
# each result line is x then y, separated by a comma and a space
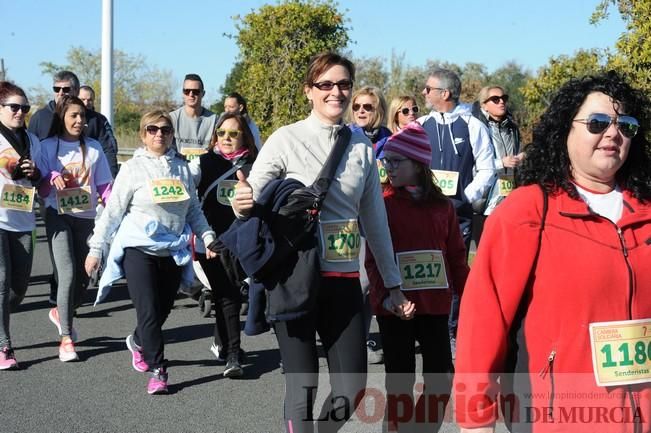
422, 270
341, 240
505, 184
621, 352
382, 172
168, 191
17, 197
226, 191
74, 200
447, 181
191, 153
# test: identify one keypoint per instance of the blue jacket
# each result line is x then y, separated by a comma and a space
287, 274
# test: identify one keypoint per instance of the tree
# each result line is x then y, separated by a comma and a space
276, 44
538, 91
633, 56
137, 85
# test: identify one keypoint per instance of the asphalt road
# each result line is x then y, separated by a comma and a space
102, 393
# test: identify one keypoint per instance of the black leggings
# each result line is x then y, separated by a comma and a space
153, 282
339, 321
399, 339
227, 305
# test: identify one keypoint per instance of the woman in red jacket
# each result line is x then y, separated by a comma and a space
559, 291
431, 257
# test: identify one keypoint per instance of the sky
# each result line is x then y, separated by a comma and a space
188, 36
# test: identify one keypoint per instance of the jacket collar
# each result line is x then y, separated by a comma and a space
634, 211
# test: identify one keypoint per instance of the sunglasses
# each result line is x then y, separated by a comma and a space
366, 107
392, 163
429, 89
194, 92
153, 129
232, 133
15, 107
496, 99
405, 111
329, 85
65, 89
597, 123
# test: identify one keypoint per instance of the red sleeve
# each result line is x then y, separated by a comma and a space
493, 291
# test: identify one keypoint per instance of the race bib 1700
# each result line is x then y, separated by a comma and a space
341, 240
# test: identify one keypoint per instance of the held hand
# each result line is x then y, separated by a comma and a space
243, 200
404, 308
91, 264
59, 183
210, 254
519, 157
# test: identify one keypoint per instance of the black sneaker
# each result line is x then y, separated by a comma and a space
233, 366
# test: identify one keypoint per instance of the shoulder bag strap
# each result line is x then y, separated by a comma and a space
327, 173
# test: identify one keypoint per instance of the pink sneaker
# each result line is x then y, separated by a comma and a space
157, 382
137, 359
54, 318
7, 359
67, 351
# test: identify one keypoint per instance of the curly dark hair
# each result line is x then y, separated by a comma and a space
547, 161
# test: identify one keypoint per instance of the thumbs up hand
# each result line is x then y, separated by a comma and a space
243, 200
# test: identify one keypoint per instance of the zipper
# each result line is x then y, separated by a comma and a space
549, 368
634, 403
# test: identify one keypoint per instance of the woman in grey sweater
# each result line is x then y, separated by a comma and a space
152, 210
354, 201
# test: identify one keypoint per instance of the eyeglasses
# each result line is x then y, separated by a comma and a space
406, 110
366, 107
232, 133
65, 89
194, 92
495, 99
392, 163
429, 89
329, 85
597, 123
153, 129
15, 107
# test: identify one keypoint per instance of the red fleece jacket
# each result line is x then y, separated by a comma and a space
588, 270
415, 226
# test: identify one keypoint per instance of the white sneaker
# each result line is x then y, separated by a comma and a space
217, 351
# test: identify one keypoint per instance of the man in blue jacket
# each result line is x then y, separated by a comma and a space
462, 155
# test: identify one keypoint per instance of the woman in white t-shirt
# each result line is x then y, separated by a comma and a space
75, 172
18, 148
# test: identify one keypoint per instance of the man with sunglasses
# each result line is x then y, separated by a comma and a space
97, 125
462, 155
492, 109
193, 124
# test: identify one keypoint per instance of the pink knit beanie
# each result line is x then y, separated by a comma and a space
412, 142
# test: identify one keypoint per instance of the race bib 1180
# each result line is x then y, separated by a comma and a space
621, 352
